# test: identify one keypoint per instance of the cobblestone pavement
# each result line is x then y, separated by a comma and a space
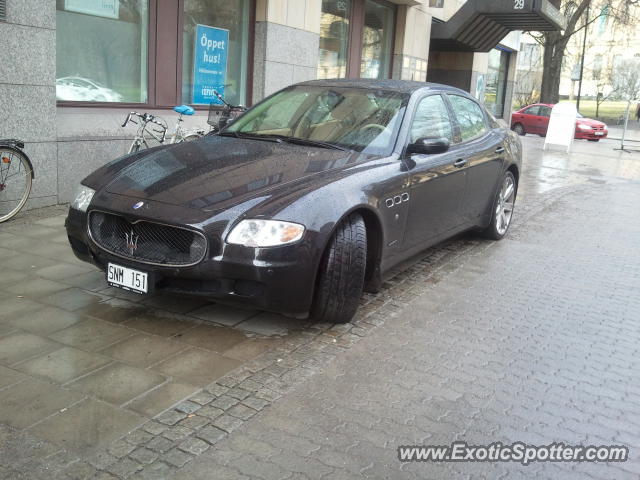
533, 338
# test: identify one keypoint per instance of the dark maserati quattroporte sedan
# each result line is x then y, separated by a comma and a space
312, 196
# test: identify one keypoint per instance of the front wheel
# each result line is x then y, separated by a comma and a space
502, 208
341, 275
15, 182
519, 129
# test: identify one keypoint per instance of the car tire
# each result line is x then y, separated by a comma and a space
519, 129
342, 271
503, 206
593, 139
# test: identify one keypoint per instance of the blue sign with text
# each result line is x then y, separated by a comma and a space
209, 64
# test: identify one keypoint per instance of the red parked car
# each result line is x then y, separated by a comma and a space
535, 119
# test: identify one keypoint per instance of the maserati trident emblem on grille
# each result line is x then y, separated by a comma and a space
132, 241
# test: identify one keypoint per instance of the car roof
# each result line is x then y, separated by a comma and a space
403, 86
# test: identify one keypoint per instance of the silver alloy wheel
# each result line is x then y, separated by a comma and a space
504, 209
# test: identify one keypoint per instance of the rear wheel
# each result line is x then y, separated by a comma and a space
519, 129
593, 139
502, 208
342, 269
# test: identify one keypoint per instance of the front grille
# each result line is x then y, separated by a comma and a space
146, 242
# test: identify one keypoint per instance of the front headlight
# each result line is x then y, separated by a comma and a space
584, 127
82, 198
265, 233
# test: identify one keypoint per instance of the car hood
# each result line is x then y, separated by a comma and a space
217, 172
591, 122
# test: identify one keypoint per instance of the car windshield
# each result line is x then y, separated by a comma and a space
360, 119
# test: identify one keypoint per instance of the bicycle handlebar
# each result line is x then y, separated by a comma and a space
146, 118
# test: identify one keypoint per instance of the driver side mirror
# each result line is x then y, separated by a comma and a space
429, 146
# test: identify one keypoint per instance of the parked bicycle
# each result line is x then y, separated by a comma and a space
146, 133
153, 129
221, 117
16, 177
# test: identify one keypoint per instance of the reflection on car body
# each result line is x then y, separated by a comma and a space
313, 195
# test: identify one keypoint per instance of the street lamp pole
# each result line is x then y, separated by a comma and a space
584, 52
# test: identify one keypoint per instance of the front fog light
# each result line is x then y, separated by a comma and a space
82, 198
265, 233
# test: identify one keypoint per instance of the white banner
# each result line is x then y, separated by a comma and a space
99, 8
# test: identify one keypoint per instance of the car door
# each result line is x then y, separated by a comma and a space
544, 115
482, 147
438, 180
531, 119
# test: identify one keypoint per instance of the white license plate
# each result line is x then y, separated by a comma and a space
127, 278
599, 133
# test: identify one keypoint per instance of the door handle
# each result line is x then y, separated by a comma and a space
461, 162
500, 150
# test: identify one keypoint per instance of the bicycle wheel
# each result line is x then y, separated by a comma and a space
15, 182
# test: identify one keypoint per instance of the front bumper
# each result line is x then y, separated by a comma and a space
279, 279
591, 135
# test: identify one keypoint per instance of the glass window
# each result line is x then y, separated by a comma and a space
377, 38
470, 117
431, 120
334, 38
436, 3
544, 111
535, 110
360, 119
496, 86
214, 51
101, 48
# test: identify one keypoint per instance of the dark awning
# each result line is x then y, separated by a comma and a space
480, 24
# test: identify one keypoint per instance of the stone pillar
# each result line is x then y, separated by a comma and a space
413, 34
287, 42
479, 69
28, 89
451, 68
511, 82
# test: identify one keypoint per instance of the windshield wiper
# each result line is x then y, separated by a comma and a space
310, 143
315, 143
288, 139
252, 136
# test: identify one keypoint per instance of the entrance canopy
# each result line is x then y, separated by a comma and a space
479, 25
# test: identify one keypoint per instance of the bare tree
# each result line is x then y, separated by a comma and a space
626, 79
555, 43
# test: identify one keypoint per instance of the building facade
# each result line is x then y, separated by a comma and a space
73, 69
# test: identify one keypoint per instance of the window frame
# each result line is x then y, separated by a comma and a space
485, 120
454, 123
455, 128
526, 111
159, 40
355, 36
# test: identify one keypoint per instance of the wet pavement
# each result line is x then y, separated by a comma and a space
87, 369
71, 347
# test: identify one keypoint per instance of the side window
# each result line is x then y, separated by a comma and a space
532, 111
470, 117
431, 119
545, 111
